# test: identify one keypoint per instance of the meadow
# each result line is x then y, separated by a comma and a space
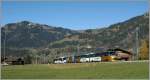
106, 70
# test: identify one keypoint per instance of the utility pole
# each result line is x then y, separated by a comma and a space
137, 44
118, 28
78, 49
4, 45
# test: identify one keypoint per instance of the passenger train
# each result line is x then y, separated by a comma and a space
91, 57
95, 57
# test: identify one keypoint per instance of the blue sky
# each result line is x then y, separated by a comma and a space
72, 15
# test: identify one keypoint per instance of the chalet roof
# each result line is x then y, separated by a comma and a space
8, 59
118, 49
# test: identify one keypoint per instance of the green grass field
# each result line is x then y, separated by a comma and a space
115, 70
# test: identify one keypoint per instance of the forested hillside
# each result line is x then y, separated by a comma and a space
29, 39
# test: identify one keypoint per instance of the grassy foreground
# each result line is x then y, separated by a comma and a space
115, 70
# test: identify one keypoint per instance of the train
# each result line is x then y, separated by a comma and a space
107, 56
91, 57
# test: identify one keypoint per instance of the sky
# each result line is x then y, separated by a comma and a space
74, 15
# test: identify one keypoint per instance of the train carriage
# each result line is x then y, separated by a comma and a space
60, 60
84, 58
95, 57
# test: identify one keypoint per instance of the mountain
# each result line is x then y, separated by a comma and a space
28, 35
121, 35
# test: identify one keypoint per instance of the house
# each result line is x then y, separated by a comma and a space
116, 55
13, 61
